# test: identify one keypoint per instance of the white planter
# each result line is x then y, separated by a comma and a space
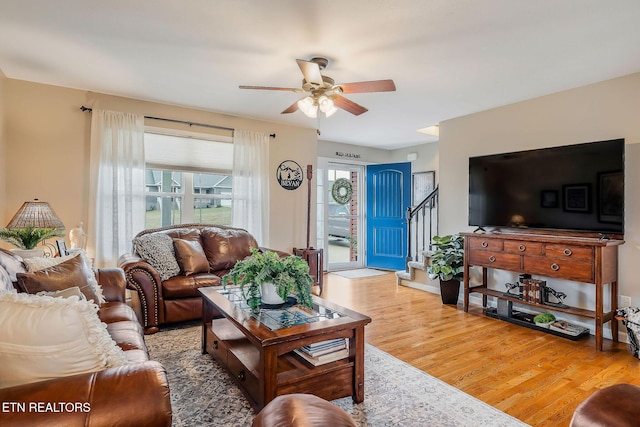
28, 253
544, 325
269, 294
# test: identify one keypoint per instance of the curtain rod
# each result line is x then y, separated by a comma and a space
272, 135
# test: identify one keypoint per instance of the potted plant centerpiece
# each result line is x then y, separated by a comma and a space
27, 238
261, 272
447, 263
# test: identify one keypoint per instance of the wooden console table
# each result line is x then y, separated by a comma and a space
586, 260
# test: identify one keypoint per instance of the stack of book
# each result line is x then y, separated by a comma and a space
323, 352
533, 290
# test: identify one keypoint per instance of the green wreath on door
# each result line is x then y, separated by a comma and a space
342, 191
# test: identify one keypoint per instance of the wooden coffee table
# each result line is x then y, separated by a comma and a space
258, 349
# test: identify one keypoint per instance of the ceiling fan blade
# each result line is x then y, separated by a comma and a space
292, 108
310, 71
347, 105
372, 86
288, 89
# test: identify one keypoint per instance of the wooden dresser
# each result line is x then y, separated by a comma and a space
591, 261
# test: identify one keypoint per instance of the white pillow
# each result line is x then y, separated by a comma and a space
40, 263
44, 337
5, 281
65, 293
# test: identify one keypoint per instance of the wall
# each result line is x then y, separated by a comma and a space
3, 155
428, 157
601, 111
47, 147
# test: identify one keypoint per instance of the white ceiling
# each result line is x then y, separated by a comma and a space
448, 58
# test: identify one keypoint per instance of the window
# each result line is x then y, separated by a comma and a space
188, 180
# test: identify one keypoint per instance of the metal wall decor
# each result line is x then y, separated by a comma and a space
289, 175
342, 191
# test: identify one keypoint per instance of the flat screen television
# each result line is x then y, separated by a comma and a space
574, 187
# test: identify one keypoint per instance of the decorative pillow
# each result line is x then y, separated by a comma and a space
44, 337
71, 272
190, 257
65, 293
157, 250
41, 263
11, 263
5, 281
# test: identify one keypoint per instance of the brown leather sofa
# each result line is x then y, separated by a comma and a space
136, 394
302, 410
176, 299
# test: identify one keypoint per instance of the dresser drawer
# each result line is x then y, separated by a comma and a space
495, 260
563, 268
216, 347
478, 243
527, 248
244, 375
570, 252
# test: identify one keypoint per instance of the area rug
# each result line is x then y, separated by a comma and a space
396, 394
358, 273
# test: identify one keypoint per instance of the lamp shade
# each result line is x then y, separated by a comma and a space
35, 214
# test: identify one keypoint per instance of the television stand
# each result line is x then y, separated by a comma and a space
586, 260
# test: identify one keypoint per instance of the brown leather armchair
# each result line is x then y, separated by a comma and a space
136, 394
176, 299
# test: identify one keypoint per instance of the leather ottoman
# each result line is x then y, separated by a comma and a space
617, 405
302, 410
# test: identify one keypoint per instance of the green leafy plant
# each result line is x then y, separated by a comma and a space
28, 237
289, 275
544, 318
447, 259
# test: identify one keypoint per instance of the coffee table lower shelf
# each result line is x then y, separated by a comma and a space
229, 346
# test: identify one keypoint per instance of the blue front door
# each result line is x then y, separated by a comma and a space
388, 196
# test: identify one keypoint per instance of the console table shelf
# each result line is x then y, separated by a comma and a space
587, 260
570, 310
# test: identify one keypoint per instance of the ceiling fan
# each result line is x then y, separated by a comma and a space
324, 94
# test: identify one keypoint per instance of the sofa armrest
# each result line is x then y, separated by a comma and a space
112, 282
144, 279
131, 395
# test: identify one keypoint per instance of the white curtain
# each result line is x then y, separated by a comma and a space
117, 199
251, 183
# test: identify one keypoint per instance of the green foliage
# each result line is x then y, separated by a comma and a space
447, 260
289, 275
544, 318
28, 237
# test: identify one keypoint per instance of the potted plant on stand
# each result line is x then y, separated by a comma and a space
447, 263
27, 238
265, 277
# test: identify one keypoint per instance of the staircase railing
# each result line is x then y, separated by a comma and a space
422, 223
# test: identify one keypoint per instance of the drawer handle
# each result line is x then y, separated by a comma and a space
215, 345
492, 259
522, 248
555, 267
567, 252
484, 244
241, 376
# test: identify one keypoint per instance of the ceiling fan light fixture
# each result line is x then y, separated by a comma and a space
305, 104
325, 103
330, 112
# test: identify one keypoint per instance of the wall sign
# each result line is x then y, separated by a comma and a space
348, 155
289, 175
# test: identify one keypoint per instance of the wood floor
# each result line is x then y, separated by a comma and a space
536, 377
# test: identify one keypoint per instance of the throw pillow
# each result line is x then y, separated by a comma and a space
65, 293
157, 250
11, 263
41, 263
5, 281
43, 338
190, 257
72, 272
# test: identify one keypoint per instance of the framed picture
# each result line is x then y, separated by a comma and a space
577, 198
549, 198
610, 197
62, 247
423, 184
